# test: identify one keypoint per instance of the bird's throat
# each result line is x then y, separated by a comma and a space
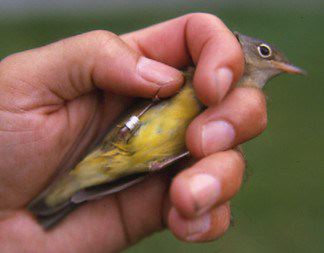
247, 81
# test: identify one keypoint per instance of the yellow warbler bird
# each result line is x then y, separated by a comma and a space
150, 139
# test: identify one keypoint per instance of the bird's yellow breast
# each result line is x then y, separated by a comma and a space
163, 127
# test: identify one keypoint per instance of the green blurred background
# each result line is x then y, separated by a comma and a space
281, 205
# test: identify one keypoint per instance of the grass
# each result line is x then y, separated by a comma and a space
280, 207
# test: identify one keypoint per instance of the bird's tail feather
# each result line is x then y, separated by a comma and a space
55, 198
49, 221
48, 215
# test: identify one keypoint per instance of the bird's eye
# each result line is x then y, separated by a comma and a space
264, 51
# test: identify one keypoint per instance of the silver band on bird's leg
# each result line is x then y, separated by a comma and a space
134, 122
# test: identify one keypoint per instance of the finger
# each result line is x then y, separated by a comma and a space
72, 67
201, 38
207, 227
240, 117
211, 181
107, 225
124, 218
94, 229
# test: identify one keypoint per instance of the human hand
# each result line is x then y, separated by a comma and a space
51, 109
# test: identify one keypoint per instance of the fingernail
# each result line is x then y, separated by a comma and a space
157, 72
224, 79
205, 190
217, 136
197, 227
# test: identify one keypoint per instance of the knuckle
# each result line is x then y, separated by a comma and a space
8, 61
211, 25
215, 29
106, 44
8, 69
204, 16
102, 37
102, 34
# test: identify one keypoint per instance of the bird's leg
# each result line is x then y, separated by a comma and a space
156, 166
133, 123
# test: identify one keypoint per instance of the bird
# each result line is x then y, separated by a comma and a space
148, 140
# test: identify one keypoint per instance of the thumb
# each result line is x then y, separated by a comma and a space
100, 59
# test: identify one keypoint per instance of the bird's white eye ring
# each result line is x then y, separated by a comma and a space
264, 50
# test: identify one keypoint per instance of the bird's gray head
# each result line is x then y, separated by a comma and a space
263, 61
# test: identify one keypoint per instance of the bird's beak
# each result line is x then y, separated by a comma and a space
288, 68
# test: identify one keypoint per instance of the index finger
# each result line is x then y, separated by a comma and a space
199, 38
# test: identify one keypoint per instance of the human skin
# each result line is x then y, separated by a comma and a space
52, 108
